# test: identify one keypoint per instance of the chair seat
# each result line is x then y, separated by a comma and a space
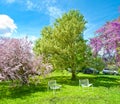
86, 85
55, 87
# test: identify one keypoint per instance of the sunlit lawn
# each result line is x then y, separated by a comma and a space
106, 90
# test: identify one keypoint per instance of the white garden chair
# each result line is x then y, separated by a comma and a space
84, 83
53, 85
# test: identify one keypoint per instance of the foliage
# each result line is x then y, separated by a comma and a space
17, 61
112, 67
98, 63
91, 61
108, 40
63, 42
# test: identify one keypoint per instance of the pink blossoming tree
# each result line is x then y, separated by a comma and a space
17, 61
108, 40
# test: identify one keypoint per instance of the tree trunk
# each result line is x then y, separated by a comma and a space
73, 75
24, 80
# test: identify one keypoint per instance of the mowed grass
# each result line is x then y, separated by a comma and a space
106, 90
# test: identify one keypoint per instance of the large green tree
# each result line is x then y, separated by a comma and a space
63, 42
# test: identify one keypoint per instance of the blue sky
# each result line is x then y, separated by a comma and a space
20, 18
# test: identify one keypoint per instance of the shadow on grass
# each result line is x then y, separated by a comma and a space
106, 81
7, 91
97, 80
20, 92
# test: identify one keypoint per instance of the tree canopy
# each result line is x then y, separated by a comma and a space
63, 42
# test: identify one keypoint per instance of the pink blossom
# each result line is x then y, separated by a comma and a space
17, 61
108, 39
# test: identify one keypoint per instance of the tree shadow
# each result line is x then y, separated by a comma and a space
63, 80
7, 91
21, 91
106, 81
97, 80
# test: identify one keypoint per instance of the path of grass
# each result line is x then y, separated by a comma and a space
106, 91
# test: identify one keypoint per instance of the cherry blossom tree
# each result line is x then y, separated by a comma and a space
108, 40
17, 60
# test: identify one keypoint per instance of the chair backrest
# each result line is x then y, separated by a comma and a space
83, 82
52, 83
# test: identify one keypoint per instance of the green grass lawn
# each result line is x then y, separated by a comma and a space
106, 90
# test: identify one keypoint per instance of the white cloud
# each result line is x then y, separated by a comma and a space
48, 6
7, 25
90, 29
30, 5
49, 2
32, 38
10, 1
54, 12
